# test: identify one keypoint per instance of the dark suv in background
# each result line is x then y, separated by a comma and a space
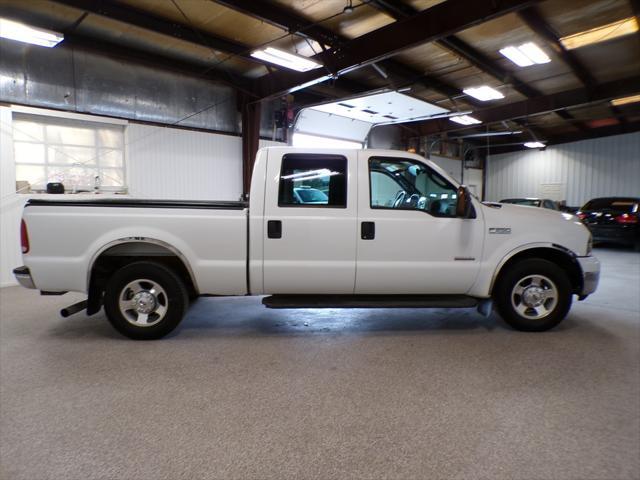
613, 220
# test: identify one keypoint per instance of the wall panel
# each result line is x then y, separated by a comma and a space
606, 166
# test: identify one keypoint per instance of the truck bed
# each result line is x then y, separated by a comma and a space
68, 235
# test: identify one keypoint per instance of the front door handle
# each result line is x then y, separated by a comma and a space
368, 230
274, 229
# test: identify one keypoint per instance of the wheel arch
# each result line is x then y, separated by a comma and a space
123, 251
557, 254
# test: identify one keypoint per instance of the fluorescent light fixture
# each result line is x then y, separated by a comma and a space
284, 59
534, 145
525, 55
625, 100
617, 29
534, 52
516, 56
24, 33
465, 120
484, 93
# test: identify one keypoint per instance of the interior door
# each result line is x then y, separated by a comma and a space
310, 223
410, 241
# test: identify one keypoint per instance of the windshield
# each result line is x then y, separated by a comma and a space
617, 205
522, 201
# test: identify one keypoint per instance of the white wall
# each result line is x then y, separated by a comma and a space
579, 170
161, 162
10, 203
173, 163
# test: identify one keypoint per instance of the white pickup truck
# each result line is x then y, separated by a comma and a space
322, 228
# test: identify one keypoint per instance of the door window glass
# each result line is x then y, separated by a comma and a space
313, 181
397, 183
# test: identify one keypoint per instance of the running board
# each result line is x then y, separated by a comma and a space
369, 301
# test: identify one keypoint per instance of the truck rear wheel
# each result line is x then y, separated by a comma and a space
145, 300
534, 295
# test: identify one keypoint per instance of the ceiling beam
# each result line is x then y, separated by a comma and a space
398, 10
488, 66
600, 132
533, 19
285, 19
130, 54
148, 21
142, 19
539, 105
437, 22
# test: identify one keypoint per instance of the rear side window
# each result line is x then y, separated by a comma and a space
313, 180
615, 205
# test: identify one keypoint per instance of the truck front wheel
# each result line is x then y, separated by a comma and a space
145, 300
533, 295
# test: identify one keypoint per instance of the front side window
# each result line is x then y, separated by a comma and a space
397, 183
313, 181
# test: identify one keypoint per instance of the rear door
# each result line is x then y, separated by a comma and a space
310, 223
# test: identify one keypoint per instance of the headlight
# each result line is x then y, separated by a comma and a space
589, 244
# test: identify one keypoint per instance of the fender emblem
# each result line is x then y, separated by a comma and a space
500, 230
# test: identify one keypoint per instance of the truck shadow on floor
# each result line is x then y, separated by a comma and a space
244, 316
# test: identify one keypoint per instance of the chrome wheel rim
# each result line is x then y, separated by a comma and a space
534, 297
143, 302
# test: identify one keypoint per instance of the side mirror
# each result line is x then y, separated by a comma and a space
464, 207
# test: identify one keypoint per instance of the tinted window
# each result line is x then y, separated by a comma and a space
409, 185
313, 181
522, 201
617, 205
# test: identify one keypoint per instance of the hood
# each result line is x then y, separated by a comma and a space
526, 224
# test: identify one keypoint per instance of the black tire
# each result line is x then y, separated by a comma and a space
168, 292
516, 312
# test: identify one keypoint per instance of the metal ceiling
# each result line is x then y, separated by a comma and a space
435, 47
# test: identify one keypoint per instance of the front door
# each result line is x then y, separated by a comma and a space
410, 241
310, 224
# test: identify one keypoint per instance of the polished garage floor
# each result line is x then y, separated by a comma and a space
245, 392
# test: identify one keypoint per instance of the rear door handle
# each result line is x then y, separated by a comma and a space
274, 229
368, 230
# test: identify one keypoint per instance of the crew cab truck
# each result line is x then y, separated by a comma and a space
382, 229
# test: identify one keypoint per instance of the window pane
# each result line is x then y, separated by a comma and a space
111, 158
28, 152
29, 131
34, 174
70, 151
110, 137
70, 135
384, 190
112, 177
410, 185
313, 180
73, 177
72, 155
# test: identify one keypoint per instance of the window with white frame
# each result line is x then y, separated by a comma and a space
79, 154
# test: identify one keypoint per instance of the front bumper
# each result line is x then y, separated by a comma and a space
23, 276
590, 267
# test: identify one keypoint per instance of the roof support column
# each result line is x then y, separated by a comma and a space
251, 111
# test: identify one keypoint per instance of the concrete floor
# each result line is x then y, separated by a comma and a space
244, 392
